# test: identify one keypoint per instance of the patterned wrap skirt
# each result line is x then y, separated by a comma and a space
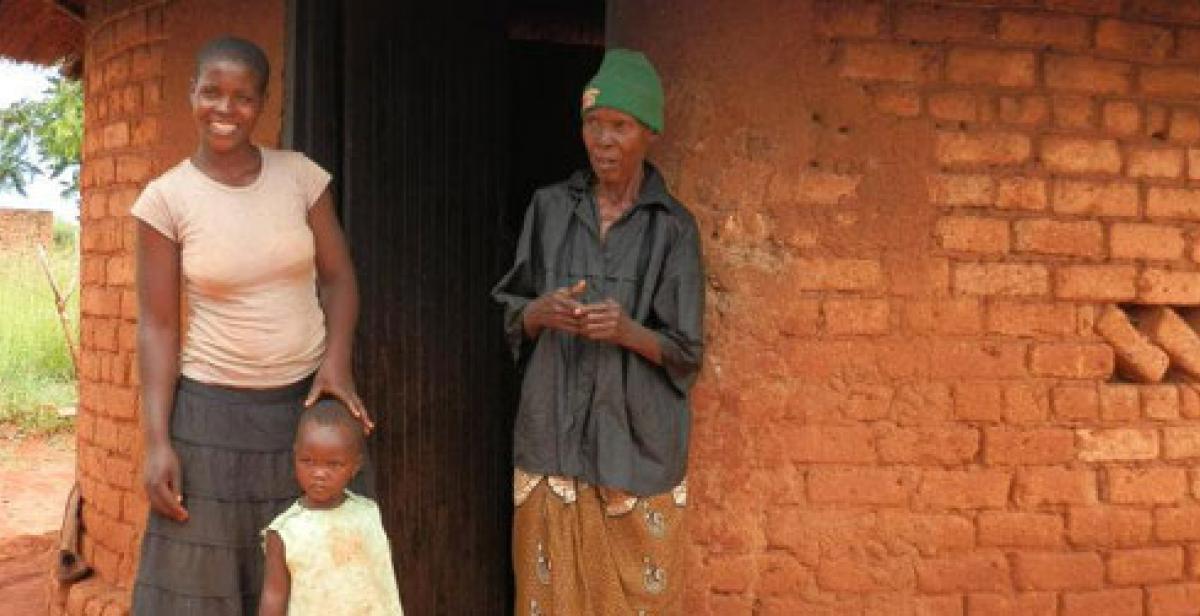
235, 452
583, 550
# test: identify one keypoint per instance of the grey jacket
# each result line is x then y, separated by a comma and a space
593, 410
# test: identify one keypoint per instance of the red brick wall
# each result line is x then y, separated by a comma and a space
23, 230
913, 214
137, 124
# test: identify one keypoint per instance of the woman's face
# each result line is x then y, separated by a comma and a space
616, 144
226, 103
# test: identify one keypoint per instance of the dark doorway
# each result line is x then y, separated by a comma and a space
438, 120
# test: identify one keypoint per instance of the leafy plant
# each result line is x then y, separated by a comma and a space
53, 127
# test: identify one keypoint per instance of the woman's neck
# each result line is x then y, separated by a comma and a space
238, 167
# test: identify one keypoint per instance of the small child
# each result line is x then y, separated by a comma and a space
327, 554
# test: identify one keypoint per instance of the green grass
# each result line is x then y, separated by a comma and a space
36, 376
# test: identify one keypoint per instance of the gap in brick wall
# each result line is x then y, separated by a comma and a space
1152, 343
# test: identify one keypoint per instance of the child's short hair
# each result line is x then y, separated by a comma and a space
332, 412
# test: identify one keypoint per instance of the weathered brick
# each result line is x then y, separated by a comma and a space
1076, 403
1030, 318
1117, 444
1037, 486
956, 148
1025, 403
1027, 530
975, 401
837, 18
1021, 193
1181, 442
1187, 45
978, 359
1156, 121
1122, 118
836, 274
1110, 601
1086, 74
1096, 282
1074, 112
1137, 358
928, 534
1147, 486
973, 234
957, 315
941, 23
955, 106
116, 135
1095, 198
928, 445
1146, 241
1177, 523
1053, 237
1052, 29
1072, 360
1022, 604
812, 186
1024, 110
848, 573
856, 316
1164, 10
1109, 527
1193, 163
874, 486
1014, 279
960, 189
828, 444
1169, 81
1095, 7
1080, 155
1166, 202
963, 489
1138, 40
903, 101
1001, 67
1161, 286
1165, 328
979, 571
1003, 446
1185, 126
1160, 402
1155, 162
1058, 571
890, 62
1145, 566
1174, 600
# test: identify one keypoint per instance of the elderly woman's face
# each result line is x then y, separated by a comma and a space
616, 143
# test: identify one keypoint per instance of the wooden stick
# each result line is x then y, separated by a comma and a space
60, 305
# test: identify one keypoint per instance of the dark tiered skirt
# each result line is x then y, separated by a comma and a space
235, 450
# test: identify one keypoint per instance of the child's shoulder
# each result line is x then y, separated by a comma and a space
282, 520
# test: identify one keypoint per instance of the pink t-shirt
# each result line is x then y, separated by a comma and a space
248, 266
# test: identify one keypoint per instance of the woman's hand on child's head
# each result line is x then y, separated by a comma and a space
163, 481
339, 383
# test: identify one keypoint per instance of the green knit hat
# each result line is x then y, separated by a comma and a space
627, 82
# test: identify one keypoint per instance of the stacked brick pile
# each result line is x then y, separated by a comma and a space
915, 214
21, 231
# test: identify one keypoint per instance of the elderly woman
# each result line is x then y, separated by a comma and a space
603, 308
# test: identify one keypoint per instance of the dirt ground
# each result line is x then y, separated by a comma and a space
35, 477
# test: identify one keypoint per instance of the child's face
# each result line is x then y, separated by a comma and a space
326, 461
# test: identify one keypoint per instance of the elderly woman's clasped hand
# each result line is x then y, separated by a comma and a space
560, 309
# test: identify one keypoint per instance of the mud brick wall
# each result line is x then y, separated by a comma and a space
137, 124
914, 213
23, 230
